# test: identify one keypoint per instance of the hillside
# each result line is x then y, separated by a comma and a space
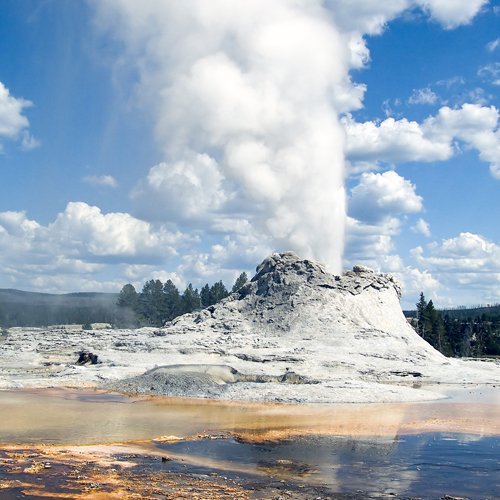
22, 309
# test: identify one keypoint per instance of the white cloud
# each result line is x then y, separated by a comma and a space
423, 96
101, 180
422, 227
379, 196
491, 72
370, 245
491, 46
370, 17
11, 119
392, 141
29, 142
12, 122
452, 13
373, 208
450, 82
468, 265
414, 282
403, 141
81, 242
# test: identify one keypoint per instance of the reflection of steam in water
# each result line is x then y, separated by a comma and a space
408, 449
429, 465
83, 417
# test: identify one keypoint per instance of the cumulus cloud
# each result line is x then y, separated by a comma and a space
453, 14
12, 122
392, 141
81, 241
468, 262
11, 119
379, 196
373, 208
403, 141
422, 227
370, 18
101, 180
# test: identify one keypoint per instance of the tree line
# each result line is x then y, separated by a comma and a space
160, 302
463, 336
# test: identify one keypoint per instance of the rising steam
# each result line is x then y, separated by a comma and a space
247, 97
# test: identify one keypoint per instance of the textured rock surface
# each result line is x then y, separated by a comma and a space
346, 332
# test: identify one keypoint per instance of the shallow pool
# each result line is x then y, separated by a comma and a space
426, 450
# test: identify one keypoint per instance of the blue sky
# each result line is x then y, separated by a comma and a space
189, 141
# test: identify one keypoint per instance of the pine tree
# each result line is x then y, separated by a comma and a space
152, 303
240, 281
205, 296
128, 308
190, 299
173, 302
421, 315
218, 292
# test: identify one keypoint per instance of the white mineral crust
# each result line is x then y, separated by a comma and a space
347, 333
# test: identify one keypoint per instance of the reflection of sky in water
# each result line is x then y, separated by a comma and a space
375, 448
83, 417
424, 465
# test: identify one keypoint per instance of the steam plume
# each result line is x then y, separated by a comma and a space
250, 91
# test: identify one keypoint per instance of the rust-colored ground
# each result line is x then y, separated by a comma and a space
127, 471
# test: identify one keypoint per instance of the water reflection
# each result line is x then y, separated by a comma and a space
424, 465
84, 417
420, 449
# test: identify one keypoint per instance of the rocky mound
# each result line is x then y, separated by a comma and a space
292, 307
294, 333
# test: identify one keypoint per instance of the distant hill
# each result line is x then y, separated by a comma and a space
20, 308
464, 312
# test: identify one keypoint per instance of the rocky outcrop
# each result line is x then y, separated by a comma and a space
294, 333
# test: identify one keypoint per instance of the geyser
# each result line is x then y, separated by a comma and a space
247, 96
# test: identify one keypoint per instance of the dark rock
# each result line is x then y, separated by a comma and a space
87, 358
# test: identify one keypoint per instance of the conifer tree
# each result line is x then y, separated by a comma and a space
421, 315
240, 281
190, 299
218, 292
152, 303
172, 301
128, 307
205, 296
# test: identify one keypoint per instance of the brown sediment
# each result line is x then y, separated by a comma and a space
115, 472
81, 417
135, 469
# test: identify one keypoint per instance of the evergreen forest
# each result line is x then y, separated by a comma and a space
458, 332
160, 302
154, 305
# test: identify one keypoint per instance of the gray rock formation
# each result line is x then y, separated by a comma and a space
295, 333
